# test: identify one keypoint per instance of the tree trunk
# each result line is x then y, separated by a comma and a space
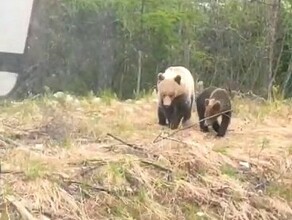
139, 72
272, 30
288, 77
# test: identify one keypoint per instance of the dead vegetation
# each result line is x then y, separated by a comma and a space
96, 158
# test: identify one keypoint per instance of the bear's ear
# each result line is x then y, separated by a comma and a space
160, 77
177, 79
217, 105
206, 102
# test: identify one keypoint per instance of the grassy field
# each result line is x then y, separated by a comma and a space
97, 158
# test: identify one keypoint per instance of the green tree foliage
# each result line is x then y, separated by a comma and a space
93, 44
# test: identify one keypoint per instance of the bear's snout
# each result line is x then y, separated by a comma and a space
167, 101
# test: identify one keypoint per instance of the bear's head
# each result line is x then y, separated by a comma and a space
212, 107
169, 89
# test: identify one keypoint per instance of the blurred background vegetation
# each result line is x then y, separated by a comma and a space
103, 45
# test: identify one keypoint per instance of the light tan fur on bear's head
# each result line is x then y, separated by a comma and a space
212, 107
169, 88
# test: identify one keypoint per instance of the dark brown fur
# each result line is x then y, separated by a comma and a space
210, 102
174, 102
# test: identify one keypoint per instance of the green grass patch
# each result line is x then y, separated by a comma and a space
280, 190
107, 96
35, 169
229, 170
193, 212
221, 149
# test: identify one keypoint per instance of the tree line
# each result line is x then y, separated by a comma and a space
121, 45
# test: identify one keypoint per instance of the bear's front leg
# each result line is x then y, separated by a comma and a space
175, 118
216, 126
203, 127
201, 112
186, 113
161, 117
224, 124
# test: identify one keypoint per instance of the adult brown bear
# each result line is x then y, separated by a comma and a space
214, 101
175, 90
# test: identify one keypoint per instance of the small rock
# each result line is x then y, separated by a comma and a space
59, 94
164, 161
39, 147
244, 165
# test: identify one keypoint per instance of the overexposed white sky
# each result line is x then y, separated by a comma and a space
14, 22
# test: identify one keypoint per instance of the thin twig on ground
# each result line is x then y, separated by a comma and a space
156, 166
185, 128
9, 141
96, 188
88, 161
10, 171
124, 142
21, 208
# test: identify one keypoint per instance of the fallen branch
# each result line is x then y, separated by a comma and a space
9, 141
10, 171
156, 166
177, 141
185, 128
88, 162
13, 128
88, 170
124, 142
26, 215
96, 188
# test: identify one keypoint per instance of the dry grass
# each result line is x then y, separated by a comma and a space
59, 161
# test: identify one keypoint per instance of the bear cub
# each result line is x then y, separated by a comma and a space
213, 101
